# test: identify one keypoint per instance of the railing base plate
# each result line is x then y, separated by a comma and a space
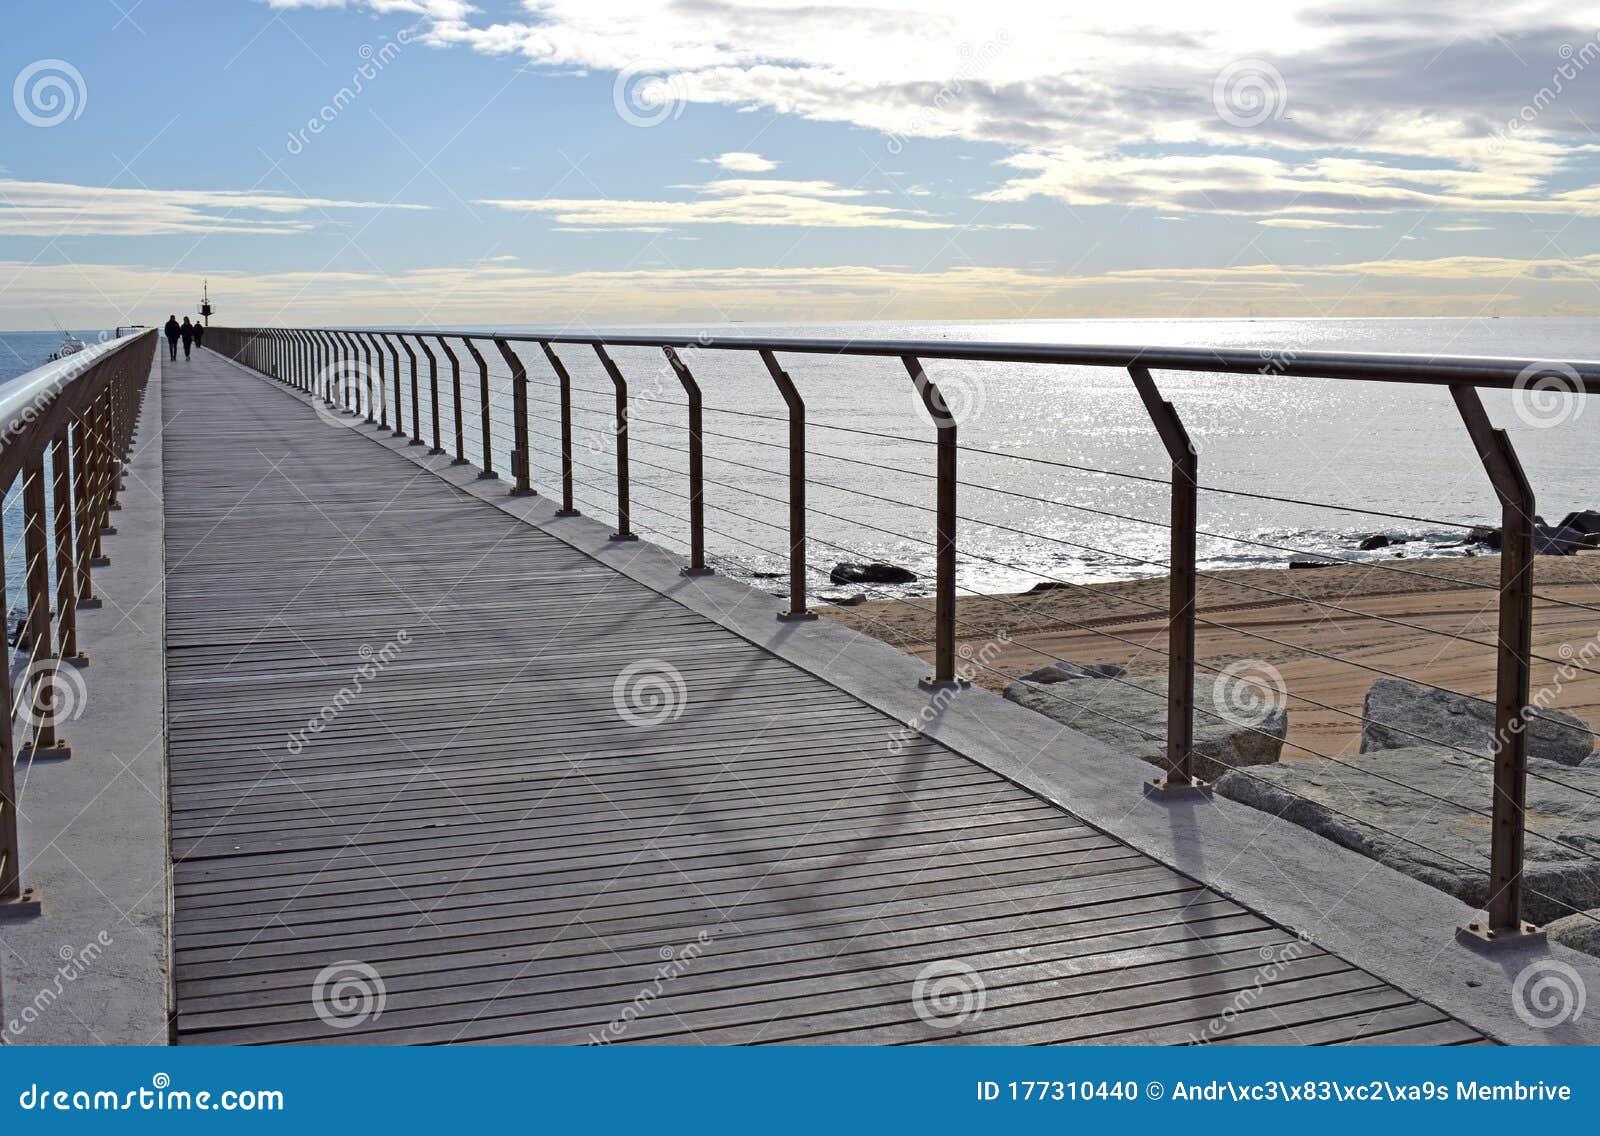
91, 603
416, 442
1165, 789
99, 562
459, 461
434, 451
702, 571
78, 660
795, 616
488, 475
620, 537
24, 906
61, 751
109, 530
1480, 937
524, 493
568, 513
928, 682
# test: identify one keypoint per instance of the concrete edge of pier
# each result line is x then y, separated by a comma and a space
92, 967
1396, 928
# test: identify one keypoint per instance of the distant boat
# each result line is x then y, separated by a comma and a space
70, 345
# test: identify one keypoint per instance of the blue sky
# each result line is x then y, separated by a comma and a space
603, 162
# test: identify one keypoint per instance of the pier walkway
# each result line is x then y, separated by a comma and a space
437, 775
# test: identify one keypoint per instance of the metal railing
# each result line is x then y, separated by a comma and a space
323, 362
65, 431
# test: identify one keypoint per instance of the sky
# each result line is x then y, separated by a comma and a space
445, 163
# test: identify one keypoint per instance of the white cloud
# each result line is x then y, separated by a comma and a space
744, 162
59, 209
733, 201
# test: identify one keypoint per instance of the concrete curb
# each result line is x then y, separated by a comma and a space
1392, 926
94, 967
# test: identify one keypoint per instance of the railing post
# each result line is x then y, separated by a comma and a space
697, 468
366, 371
39, 679
1180, 779
433, 384
86, 491
1513, 679
416, 399
944, 595
568, 509
519, 427
620, 386
399, 428
66, 563
487, 473
350, 372
797, 488
14, 898
455, 403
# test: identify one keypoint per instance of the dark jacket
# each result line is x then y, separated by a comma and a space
199, 331
172, 329
187, 331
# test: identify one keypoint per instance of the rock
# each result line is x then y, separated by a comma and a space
845, 601
1551, 541
1305, 562
1446, 845
769, 575
1047, 586
1455, 720
875, 573
1486, 536
1586, 523
1131, 714
1062, 671
1579, 931
1376, 541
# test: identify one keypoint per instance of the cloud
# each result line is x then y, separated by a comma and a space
744, 162
733, 201
478, 294
1434, 107
59, 209
1309, 223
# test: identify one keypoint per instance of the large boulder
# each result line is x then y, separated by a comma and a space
1580, 931
1063, 670
1586, 522
1403, 714
1131, 714
1422, 811
875, 573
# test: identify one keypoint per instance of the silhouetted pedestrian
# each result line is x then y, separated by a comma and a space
173, 331
187, 331
199, 333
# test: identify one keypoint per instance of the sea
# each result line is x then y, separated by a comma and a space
1063, 476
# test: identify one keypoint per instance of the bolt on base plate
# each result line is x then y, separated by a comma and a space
61, 751
1166, 789
928, 682
1481, 937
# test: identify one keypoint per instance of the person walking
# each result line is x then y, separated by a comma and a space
173, 331
187, 331
199, 333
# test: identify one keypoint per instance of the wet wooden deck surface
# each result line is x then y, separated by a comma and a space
473, 844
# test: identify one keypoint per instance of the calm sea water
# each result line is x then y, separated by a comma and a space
1375, 446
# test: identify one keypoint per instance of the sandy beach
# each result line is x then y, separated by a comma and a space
1123, 623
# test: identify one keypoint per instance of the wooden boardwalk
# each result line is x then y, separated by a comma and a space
480, 845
